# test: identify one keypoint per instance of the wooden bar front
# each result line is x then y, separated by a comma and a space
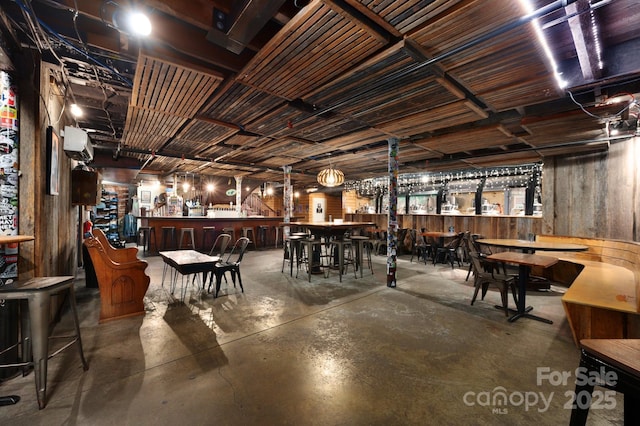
487, 226
198, 222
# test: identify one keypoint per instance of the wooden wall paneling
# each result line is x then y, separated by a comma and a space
617, 218
31, 153
334, 206
594, 195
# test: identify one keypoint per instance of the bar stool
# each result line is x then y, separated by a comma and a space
311, 255
144, 234
345, 255
291, 251
35, 338
168, 233
262, 235
363, 244
206, 230
189, 232
231, 231
245, 233
277, 233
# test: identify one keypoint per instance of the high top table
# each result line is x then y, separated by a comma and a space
525, 260
328, 230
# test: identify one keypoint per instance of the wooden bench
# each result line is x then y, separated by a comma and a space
121, 278
603, 299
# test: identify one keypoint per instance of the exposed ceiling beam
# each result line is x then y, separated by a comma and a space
586, 45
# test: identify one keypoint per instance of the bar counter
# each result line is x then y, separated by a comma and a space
198, 222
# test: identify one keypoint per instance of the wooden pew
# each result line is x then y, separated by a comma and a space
603, 299
122, 279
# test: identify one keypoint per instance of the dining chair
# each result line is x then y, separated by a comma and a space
482, 279
222, 242
421, 248
449, 252
231, 264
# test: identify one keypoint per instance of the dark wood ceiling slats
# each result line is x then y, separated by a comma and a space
240, 104
471, 140
204, 132
309, 52
340, 77
463, 24
405, 15
455, 113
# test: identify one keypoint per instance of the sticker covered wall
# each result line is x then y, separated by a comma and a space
8, 175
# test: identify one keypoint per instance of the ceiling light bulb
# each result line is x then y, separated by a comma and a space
185, 186
210, 187
139, 23
76, 111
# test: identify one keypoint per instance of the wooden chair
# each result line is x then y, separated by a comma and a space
121, 278
482, 279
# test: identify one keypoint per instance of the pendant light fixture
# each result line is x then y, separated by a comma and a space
330, 177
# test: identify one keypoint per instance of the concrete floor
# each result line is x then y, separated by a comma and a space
322, 353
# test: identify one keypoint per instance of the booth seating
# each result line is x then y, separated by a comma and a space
613, 364
603, 299
121, 278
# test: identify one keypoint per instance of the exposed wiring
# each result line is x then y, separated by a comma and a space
581, 107
629, 105
95, 72
49, 30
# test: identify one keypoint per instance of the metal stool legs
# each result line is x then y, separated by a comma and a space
35, 323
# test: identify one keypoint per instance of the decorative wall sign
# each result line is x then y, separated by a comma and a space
53, 146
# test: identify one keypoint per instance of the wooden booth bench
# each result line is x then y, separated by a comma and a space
603, 298
121, 278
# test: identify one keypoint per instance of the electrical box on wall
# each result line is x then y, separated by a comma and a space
77, 144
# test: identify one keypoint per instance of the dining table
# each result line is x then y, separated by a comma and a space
525, 260
187, 262
327, 230
441, 236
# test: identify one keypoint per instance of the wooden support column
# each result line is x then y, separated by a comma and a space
392, 216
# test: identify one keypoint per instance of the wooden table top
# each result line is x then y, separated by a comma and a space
437, 234
524, 259
188, 257
621, 353
531, 245
9, 239
334, 225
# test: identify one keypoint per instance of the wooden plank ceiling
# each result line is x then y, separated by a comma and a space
461, 84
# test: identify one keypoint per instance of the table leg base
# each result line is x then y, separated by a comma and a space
9, 400
517, 314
